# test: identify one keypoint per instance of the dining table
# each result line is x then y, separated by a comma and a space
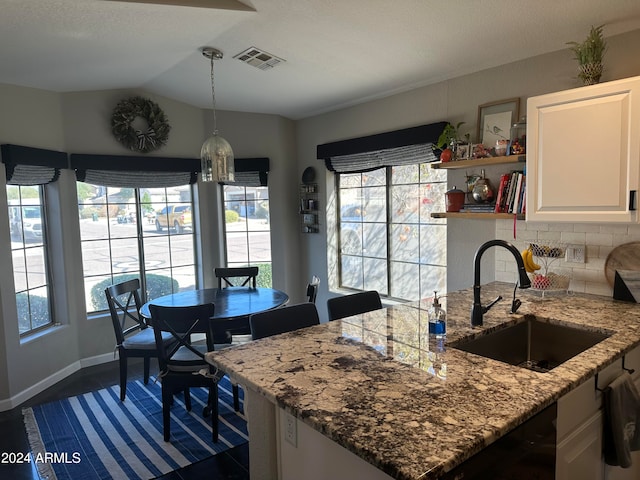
232, 305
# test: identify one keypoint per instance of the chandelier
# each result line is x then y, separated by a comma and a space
216, 156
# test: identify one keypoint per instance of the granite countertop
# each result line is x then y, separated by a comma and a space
373, 383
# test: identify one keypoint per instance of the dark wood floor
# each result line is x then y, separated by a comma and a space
232, 464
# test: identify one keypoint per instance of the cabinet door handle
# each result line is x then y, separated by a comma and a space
632, 200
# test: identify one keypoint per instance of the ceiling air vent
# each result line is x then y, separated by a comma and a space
258, 58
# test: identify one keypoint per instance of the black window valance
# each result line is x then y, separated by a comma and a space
251, 172
400, 147
135, 172
32, 166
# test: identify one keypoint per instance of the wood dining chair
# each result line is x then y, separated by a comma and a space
133, 338
284, 319
236, 276
232, 277
347, 305
183, 365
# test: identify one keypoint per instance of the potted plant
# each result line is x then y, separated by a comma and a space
448, 140
589, 55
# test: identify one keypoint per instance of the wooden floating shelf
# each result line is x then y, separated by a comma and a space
479, 162
477, 215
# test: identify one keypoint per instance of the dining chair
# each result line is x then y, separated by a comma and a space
231, 277
227, 276
183, 365
347, 305
133, 338
283, 319
312, 289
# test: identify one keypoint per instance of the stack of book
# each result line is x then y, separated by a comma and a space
479, 207
511, 195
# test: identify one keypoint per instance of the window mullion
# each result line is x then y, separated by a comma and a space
246, 222
141, 258
389, 175
339, 229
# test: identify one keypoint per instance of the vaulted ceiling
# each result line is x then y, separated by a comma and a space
334, 53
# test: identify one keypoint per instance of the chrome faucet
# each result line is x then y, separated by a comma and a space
477, 310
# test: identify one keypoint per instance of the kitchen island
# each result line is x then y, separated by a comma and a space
380, 388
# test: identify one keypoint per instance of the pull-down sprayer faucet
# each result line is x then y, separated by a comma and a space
477, 310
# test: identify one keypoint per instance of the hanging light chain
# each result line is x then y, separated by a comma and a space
213, 96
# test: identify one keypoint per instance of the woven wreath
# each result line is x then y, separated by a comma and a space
127, 111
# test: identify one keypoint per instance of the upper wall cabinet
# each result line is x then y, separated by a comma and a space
583, 154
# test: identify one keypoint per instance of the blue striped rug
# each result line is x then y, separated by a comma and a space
96, 436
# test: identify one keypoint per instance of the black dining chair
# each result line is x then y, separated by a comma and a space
232, 277
284, 319
347, 305
133, 338
312, 289
236, 276
183, 365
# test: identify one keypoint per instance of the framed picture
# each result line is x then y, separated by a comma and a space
462, 151
495, 120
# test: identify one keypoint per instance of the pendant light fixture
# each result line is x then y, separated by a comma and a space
216, 156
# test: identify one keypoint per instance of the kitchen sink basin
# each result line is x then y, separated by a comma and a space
532, 343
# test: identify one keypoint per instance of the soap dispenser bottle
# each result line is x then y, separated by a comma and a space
437, 318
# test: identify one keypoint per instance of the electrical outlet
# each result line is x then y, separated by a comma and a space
575, 254
290, 429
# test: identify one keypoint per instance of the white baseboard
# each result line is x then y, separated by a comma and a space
41, 386
98, 360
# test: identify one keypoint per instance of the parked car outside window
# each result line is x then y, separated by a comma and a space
25, 221
177, 217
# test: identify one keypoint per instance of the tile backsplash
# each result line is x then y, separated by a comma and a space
599, 240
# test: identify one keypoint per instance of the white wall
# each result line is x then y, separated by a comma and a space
457, 100
259, 135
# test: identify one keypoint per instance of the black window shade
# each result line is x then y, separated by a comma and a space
135, 172
400, 147
250, 172
32, 166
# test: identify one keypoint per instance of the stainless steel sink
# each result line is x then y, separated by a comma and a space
534, 344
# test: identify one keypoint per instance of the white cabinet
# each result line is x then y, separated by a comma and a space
580, 429
579, 456
579, 434
632, 360
583, 154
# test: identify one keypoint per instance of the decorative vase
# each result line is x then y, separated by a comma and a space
590, 73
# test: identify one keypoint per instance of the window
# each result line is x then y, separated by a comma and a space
247, 229
387, 240
29, 253
130, 232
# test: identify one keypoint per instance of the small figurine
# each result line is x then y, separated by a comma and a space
516, 148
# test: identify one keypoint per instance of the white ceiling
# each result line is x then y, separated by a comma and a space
337, 52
